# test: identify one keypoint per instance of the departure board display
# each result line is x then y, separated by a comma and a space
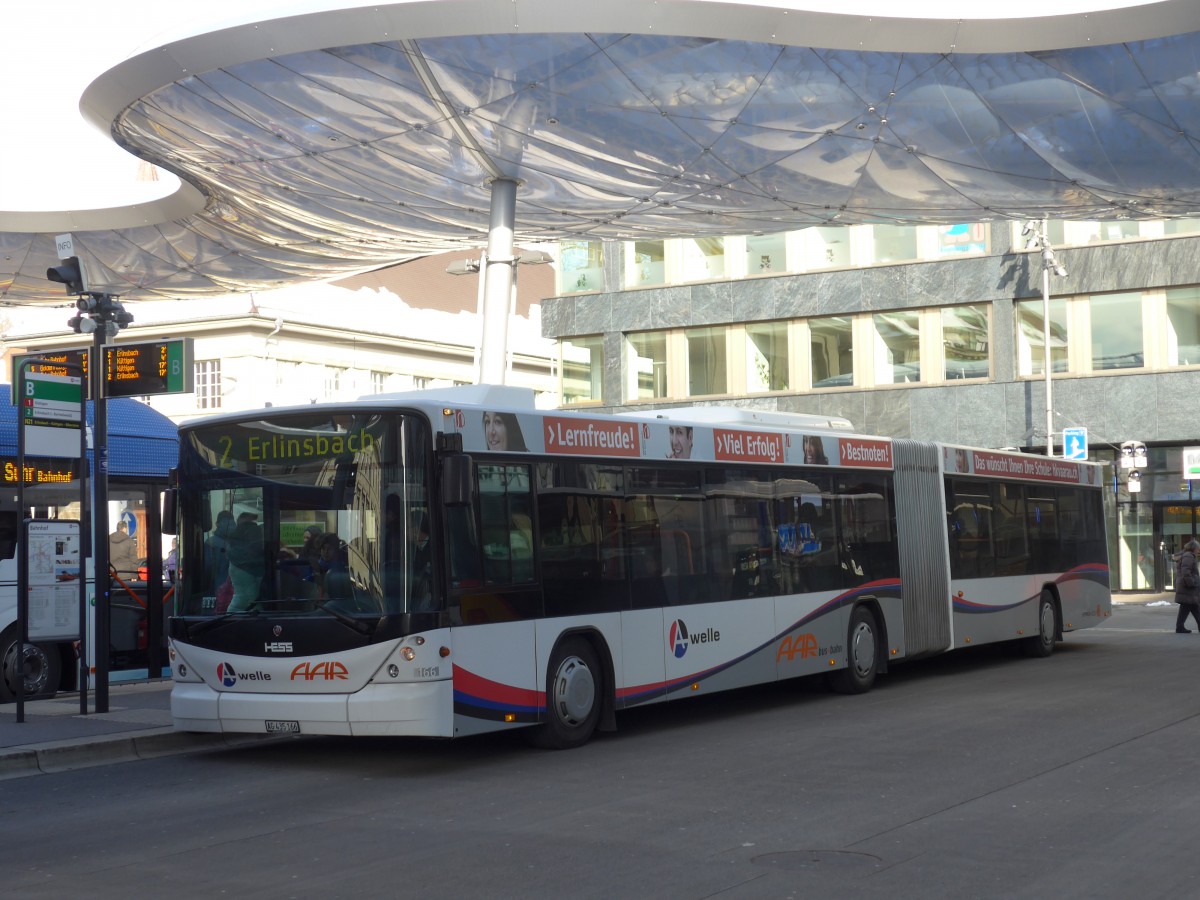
150, 367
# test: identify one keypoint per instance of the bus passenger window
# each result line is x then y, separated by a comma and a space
579, 520
506, 522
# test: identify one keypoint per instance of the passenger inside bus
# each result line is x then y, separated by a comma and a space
246, 566
334, 569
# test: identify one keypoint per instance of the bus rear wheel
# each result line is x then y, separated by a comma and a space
862, 655
39, 664
1041, 644
574, 688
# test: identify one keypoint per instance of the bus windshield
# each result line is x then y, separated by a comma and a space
301, 513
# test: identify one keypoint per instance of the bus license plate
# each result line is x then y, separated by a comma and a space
282, 726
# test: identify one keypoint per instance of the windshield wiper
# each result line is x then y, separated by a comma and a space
207, 625
348, 620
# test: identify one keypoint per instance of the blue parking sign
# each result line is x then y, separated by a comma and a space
1075, 443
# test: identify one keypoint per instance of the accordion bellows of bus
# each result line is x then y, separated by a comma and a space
446, 563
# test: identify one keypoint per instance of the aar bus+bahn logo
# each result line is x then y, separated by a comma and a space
228, 677
322, 671
678, 638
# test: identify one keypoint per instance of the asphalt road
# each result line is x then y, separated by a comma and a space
977, 774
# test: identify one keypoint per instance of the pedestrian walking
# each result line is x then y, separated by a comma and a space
1187, 587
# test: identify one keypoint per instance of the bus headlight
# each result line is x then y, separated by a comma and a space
408, 653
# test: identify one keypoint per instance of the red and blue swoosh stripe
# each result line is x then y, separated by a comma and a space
484, 698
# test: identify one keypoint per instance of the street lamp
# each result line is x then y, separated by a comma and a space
1133, 455
1036, 232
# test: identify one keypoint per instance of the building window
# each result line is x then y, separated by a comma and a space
286, 374
582, 366
646, 264
378, 382
333, 382
1183, 326
766, 254
895, 243
766, 357
897, 347
831, 350
1117, 332
1031, 344
707, 361
647, 365
956, 240
965, 338
703, 258
1094, 232
1181, 226
825, 247
580, 266
208, 384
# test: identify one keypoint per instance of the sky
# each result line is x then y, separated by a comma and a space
52, 159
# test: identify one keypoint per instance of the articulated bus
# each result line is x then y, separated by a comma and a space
451, 563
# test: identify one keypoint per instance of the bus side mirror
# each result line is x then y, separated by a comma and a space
458, 479
170, 509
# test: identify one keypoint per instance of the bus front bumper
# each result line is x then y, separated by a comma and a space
421, 709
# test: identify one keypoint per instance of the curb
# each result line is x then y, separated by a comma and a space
65, 756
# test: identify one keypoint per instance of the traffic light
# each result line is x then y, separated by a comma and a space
81, 324
69, 272
108, 308
122, 316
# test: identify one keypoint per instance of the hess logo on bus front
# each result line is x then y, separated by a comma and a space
678, 638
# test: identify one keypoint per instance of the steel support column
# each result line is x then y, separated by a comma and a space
498, 283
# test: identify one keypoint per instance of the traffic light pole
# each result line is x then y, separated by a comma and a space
102, 642
103, 315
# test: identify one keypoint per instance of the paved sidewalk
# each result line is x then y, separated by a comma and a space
1166, 596
54, 736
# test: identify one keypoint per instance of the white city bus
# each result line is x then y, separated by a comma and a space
451, 563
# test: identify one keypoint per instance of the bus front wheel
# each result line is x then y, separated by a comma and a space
862, 655
39, 664
574, 689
